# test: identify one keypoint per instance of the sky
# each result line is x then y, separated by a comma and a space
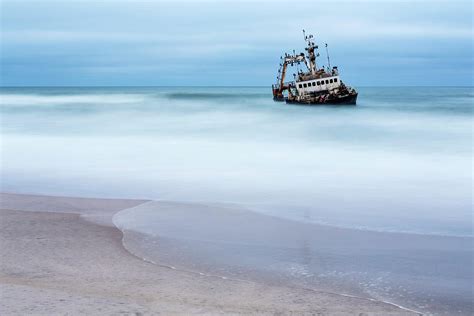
232, 43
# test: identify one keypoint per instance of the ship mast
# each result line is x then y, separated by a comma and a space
311, 52
327, 54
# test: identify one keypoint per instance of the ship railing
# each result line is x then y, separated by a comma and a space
285, 84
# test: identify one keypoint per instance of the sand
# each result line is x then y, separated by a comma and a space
63, 256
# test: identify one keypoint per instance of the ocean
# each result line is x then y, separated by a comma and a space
243, 186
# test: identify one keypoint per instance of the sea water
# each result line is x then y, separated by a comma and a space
400, 162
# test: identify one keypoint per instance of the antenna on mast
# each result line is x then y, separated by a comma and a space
327, 54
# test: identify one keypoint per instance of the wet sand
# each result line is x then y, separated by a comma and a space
54, 260
427, 273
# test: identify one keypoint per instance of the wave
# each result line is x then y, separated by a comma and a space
38, 99
213, 96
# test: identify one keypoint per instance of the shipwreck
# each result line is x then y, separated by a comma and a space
311, 85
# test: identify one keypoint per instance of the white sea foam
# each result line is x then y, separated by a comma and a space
91, 99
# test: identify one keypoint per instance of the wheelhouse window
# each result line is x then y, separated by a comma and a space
300, 85
335, 79
330, 80
319, 83
305, 85
327, 81
314, 83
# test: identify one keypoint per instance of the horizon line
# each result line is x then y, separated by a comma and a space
219, 86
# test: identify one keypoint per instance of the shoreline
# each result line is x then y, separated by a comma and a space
427, 273
326, 292
56, 260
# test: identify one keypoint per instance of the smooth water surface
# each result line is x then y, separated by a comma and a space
398, 161
251, 181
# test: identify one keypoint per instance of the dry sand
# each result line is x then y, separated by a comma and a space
55, 261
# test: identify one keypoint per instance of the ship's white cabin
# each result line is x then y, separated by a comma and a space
317, 85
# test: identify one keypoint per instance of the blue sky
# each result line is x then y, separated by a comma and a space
90, 43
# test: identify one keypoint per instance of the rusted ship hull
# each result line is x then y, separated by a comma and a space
326, 99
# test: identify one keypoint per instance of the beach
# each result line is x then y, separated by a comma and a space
56, 260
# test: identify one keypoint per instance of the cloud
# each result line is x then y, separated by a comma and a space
67, 40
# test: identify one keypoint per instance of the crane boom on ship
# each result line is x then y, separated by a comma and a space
288, 60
